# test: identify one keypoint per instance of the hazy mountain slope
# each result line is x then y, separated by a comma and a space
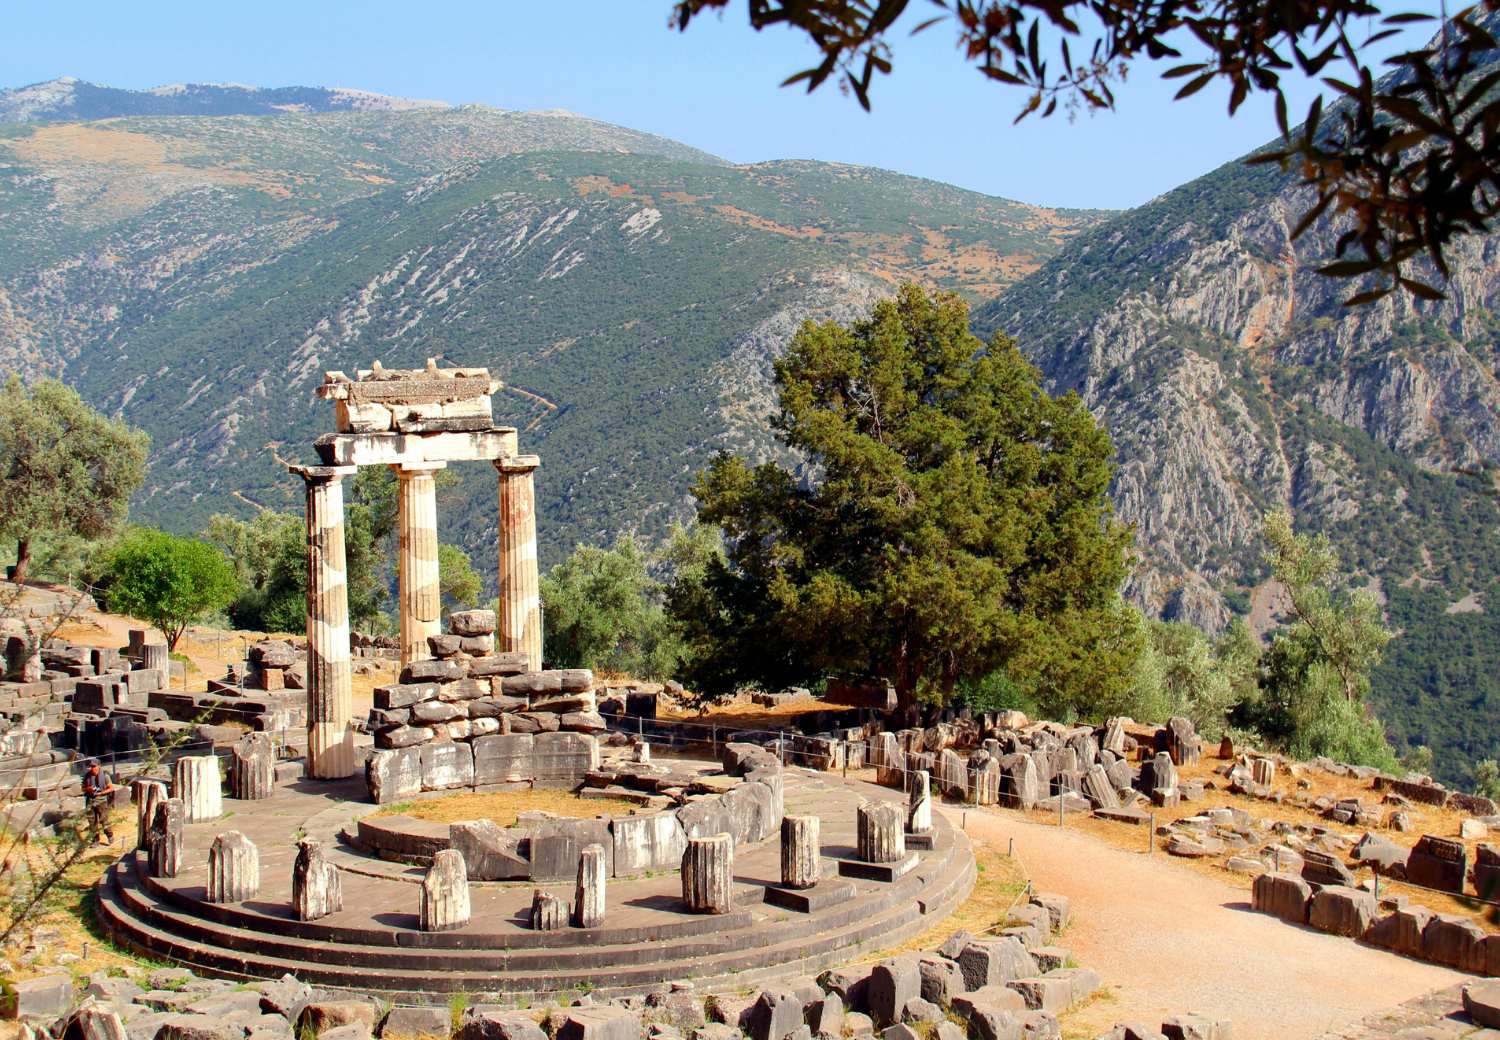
1233, 382
67, 99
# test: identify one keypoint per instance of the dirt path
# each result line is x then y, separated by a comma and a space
1168, 940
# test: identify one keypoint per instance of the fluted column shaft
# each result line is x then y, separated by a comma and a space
330, 740
520, 588
420, 598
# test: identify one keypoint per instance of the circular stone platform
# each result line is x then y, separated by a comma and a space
647, 939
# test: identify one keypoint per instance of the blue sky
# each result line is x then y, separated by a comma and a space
714, 87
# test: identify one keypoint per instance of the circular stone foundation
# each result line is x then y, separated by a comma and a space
647, 937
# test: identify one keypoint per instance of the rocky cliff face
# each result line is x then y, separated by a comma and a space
1234, 381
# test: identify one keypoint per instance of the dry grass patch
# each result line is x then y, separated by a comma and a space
65, 917
999, 884
504, 807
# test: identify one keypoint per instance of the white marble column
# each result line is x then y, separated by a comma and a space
330, 740
520, 592
420, 598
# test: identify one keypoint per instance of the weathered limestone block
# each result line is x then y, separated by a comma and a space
952, 774
1114, 736
1022, 786
888, 758
146, 794
504, 758
801, 851
986, 780
233, 869
1455, 940
195, 782
394, 775
252, 768
1263, 771
588, 895
649, 842
472, 622
1438, 863
1401, 930
601, 1022
880, 837
1342, 911
893, 984
919, 803
444, 903
994, 962
1099, 789
94, 1022
164, 846
708, 874
548, 913
316, 891
490, 852
1182, 741
446, 766
564, 756
1284, 895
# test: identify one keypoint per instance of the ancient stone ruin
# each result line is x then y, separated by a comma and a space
416, 422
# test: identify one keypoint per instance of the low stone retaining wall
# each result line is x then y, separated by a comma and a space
744, 800
1448, 939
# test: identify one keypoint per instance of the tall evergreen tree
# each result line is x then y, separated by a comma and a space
950, 518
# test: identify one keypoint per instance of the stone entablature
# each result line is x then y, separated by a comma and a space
415, 421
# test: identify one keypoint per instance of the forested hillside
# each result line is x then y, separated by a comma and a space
1234, 381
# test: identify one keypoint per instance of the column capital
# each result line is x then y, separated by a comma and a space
322, 474
517, 463
416, 469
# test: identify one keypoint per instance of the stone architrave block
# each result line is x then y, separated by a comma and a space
1322, 868
446, 766
1342, 911
564, 756
504, 758
394, 775
1435, 862
1282, 895
649, 842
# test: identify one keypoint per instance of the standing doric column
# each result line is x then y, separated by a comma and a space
330, 741
520, 592
420, 599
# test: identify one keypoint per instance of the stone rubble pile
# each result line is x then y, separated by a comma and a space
470, 717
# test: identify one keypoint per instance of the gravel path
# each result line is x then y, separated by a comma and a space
1168, 940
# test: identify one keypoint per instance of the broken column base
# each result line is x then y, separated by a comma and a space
806, 900
887, 872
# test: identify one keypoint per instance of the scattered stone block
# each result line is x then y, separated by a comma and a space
489, 851
418, 1023
1482, 1003
601, 1023
775, 1015
46, 997
1282, 895
1195, 1027
1455, 941
994, 962
892, 984
1440, 863
1342, 911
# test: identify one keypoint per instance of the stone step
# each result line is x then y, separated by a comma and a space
815, 941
